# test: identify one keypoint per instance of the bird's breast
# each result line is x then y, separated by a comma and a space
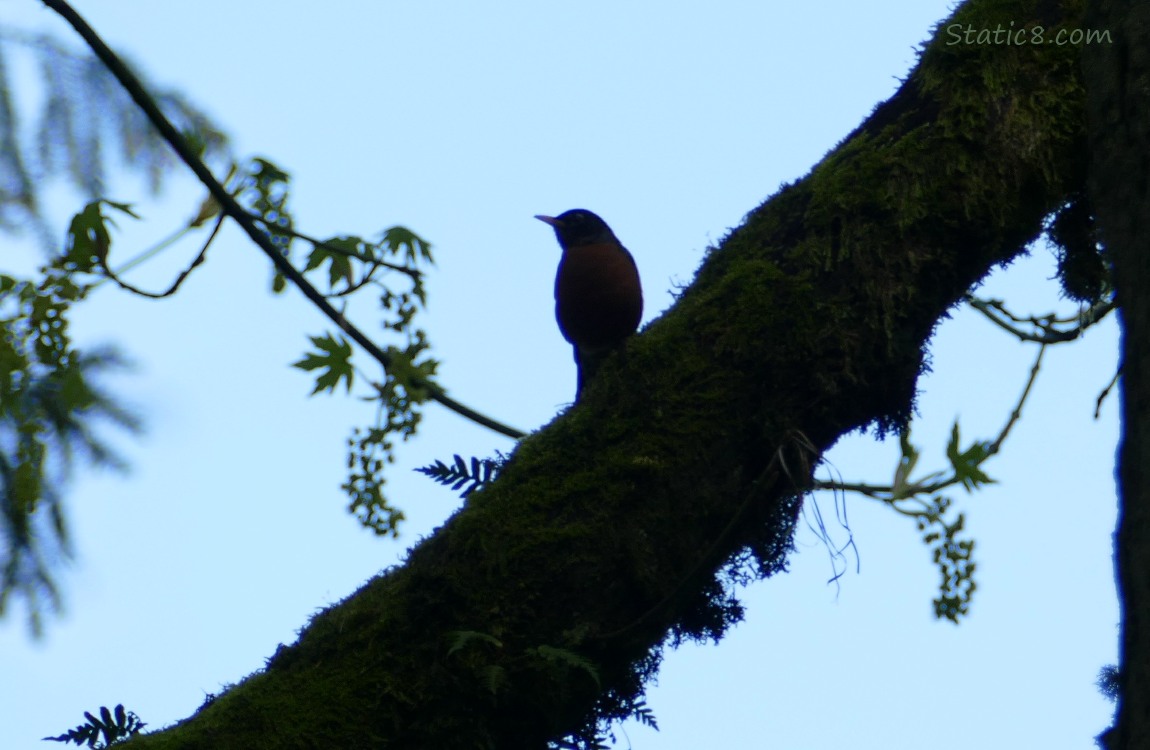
598, 296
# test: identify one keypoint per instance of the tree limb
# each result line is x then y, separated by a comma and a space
811, 318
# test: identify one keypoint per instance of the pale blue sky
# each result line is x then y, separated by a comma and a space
462, 121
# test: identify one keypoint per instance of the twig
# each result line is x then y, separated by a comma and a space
996, 312
109, 273
1014, 415
1106, 392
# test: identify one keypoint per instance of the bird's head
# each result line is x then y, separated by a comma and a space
579, 227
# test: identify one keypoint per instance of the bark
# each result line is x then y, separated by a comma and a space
1118, 78
611, 528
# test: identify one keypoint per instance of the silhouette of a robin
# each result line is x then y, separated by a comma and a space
598, 298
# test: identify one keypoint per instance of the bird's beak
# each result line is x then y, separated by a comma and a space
547, 220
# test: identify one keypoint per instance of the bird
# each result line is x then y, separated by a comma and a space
598, 295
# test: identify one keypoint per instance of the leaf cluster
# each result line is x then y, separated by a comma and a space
940, 528
350, 264
50, 404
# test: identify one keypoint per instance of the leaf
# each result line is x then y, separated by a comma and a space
966, 463
209, 209
461, 638
111, 728
644, 715
122, 207
413, 246
481, 472
340, 262
496, 678
569, 658
88, 238
333, 357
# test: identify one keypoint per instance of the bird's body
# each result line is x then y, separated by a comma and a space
598, 296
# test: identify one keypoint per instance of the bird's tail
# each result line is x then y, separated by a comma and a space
587, 362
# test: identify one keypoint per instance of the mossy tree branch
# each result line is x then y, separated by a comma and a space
811, 318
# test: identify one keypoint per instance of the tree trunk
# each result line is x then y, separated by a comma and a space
541, 606
1118, 79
